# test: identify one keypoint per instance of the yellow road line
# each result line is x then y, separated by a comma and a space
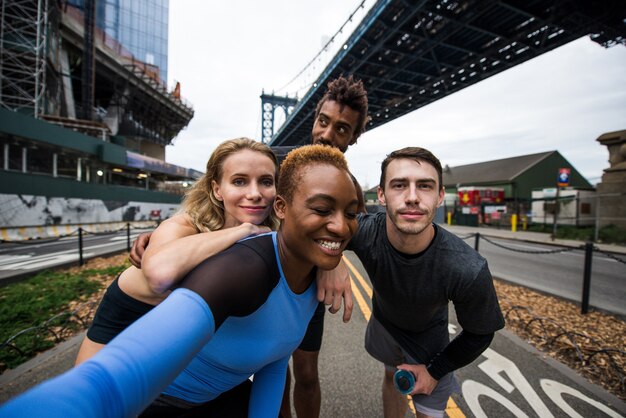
360, 300
409, 400
452, 410
358, 276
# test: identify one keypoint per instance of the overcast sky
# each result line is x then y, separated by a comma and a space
225, 53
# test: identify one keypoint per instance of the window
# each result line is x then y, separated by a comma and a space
39, 160
585, 208
66, 165
15, 157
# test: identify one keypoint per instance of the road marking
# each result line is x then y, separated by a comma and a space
10, 259
120, 238
358, 276
452, 409
360, 300
47, 260
42, 262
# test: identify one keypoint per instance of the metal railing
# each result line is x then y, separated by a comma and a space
80, 232
55, 330
587, 247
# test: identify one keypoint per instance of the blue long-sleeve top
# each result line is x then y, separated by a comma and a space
235, 309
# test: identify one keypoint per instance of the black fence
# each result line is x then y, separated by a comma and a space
588, 249
79, 232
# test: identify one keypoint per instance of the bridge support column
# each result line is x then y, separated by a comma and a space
269, 104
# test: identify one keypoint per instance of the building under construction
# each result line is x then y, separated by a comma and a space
86, 114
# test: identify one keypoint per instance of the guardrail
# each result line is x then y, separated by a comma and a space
588, 249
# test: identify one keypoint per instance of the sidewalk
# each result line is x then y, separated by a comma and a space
44, 366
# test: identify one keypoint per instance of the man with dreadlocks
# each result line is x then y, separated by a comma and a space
340, 119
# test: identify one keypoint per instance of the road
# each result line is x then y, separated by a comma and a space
18, 260
559, 274
510, 379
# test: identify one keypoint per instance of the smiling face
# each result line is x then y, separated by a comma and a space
246, 188
411, 196
335, 126
320, 219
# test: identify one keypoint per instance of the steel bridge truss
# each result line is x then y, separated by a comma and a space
412, 53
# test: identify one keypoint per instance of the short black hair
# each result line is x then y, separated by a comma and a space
347, 91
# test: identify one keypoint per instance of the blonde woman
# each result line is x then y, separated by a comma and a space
231, 201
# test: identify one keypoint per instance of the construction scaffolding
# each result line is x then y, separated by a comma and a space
56, 65
23, 40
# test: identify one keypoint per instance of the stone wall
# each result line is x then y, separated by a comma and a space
612, 189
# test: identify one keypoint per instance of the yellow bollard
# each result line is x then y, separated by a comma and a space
514, 223
524, 222
449, 218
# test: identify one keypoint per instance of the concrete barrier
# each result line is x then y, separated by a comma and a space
26, 233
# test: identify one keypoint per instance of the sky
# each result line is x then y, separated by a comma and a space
224, 54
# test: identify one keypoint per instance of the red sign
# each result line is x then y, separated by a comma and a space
563, 180
476, 196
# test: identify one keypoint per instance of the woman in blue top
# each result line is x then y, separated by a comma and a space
246, 309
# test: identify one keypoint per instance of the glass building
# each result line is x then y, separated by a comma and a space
140, 26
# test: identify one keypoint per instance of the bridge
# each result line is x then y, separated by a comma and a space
410, 53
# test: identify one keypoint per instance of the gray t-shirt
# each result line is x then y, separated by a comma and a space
411, 292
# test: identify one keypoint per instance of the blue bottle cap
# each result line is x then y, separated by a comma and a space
404, 381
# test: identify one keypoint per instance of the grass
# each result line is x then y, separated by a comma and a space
609, 234
34, 301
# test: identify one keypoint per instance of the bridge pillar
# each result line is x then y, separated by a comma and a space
269, 104
611, 204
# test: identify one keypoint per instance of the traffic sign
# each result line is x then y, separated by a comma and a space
563, 180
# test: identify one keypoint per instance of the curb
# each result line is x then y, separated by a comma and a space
42, 367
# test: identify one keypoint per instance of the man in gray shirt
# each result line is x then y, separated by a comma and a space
416, 268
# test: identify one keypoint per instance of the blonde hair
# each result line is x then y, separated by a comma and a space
299, 158
201, 204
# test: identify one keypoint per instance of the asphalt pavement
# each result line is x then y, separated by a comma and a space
510, 379
555, 267
22, 260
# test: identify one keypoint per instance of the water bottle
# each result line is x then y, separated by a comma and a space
404, 381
